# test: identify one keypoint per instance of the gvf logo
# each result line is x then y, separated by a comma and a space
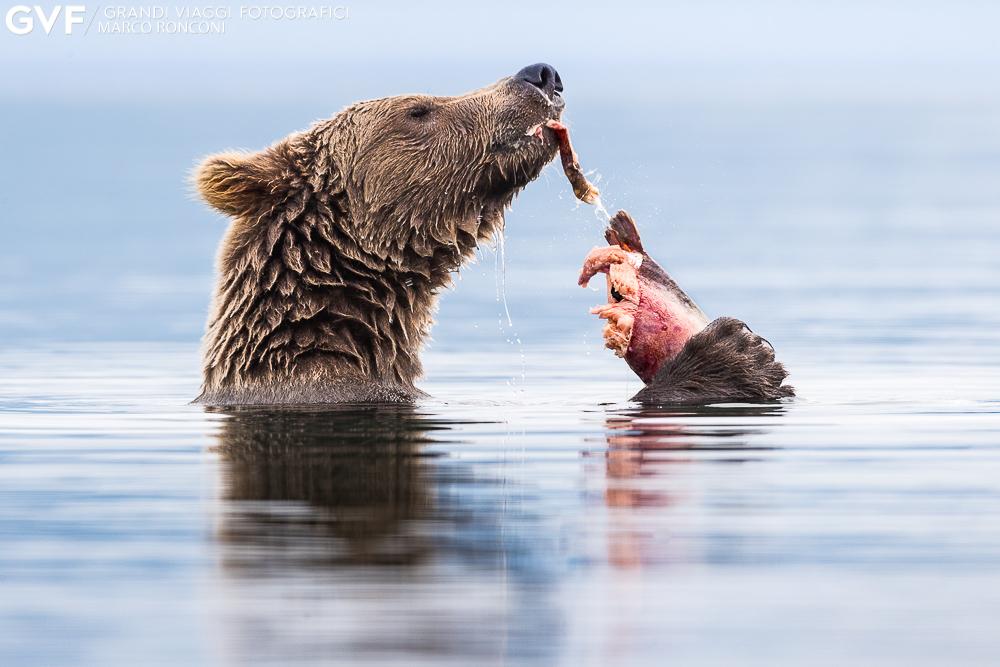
20, 19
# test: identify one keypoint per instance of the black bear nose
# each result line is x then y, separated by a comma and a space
541, 76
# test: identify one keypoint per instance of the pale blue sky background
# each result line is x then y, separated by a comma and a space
811, 44
838, 149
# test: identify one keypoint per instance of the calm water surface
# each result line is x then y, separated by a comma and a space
535, 520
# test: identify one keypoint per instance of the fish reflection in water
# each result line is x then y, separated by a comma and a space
644, 443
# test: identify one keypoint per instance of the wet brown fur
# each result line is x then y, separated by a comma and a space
723, 363
342, 236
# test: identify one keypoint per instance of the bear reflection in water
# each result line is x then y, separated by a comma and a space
346, 531
327, 486
375, 524
374, 484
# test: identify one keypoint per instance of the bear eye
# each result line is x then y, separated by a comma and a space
420, 111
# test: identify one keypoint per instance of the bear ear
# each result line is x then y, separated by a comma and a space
235, 183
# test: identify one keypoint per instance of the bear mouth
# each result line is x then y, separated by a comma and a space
518, 158
529, 137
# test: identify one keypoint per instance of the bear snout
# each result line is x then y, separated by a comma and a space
542, 76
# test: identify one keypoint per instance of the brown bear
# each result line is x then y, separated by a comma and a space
342, 236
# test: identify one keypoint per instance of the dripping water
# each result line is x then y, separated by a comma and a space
500, 275
602, 215
601, 212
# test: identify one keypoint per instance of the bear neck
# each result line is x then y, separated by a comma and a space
304, 314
